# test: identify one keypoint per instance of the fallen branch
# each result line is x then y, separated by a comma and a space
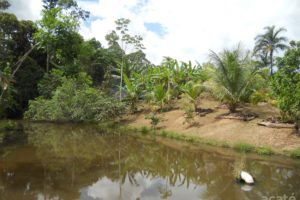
244, 118
276, 125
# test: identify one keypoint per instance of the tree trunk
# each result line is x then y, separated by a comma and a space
271, 59
121, 81
195, 107
232, 108
47, 60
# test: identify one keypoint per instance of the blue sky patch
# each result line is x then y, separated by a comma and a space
156, 28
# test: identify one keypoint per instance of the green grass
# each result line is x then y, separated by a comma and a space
164, 133
238, 146
243, 147
295, 153
145, 130
264, 151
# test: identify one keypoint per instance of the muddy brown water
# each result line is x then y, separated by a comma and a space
69, 162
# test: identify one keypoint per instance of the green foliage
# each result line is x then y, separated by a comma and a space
243, 147
154, 120
119, 41
259, 96
133, 93
18, 82
144, 130
57, 36
50, 82
163, 133
192, 92
7, 125
75, 100
295, 153
159, 96
234, 76
188, 115
268, 43
264, 151
286, 84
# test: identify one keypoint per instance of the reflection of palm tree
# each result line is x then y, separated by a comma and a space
165, 192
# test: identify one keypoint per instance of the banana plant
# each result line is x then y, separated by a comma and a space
133, 93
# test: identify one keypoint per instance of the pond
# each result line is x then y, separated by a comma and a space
69, 162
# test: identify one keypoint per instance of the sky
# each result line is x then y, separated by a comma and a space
182, 29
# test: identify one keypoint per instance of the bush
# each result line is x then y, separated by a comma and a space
154, 120
164, 133
258, 96
295, 153
286, 84
189, 116
144, 130
75, 100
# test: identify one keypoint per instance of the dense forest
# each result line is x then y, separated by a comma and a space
48, 71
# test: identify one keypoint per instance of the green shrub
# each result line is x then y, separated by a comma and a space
286, 84
243, 147
144, 130
264, 151
295, 153
163, 133
189, 115
8, 125
258, 96
191, 139
154, 120
75, 100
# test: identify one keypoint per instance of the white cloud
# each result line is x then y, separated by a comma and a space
26, 9
192, 27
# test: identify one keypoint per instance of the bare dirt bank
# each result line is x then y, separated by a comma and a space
228, 130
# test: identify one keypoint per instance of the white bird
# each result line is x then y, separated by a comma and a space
245, 176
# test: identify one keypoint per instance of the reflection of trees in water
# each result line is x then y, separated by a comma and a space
72, 157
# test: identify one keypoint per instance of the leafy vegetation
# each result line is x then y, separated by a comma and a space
286, 84
234, 76
268, 43
295, 153
75, 100
192, 92
48, 71
189, 116
154, 120
264, 151
243, 147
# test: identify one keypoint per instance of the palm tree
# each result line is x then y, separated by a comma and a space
159, 96
233, 76
269, 42
192, 92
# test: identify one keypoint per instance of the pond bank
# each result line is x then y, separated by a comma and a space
241, 135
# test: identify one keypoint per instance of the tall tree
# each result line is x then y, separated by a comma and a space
19, 71
122, 42
57, 33
4, 4
269, 42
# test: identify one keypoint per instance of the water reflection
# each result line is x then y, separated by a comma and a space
79, 162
